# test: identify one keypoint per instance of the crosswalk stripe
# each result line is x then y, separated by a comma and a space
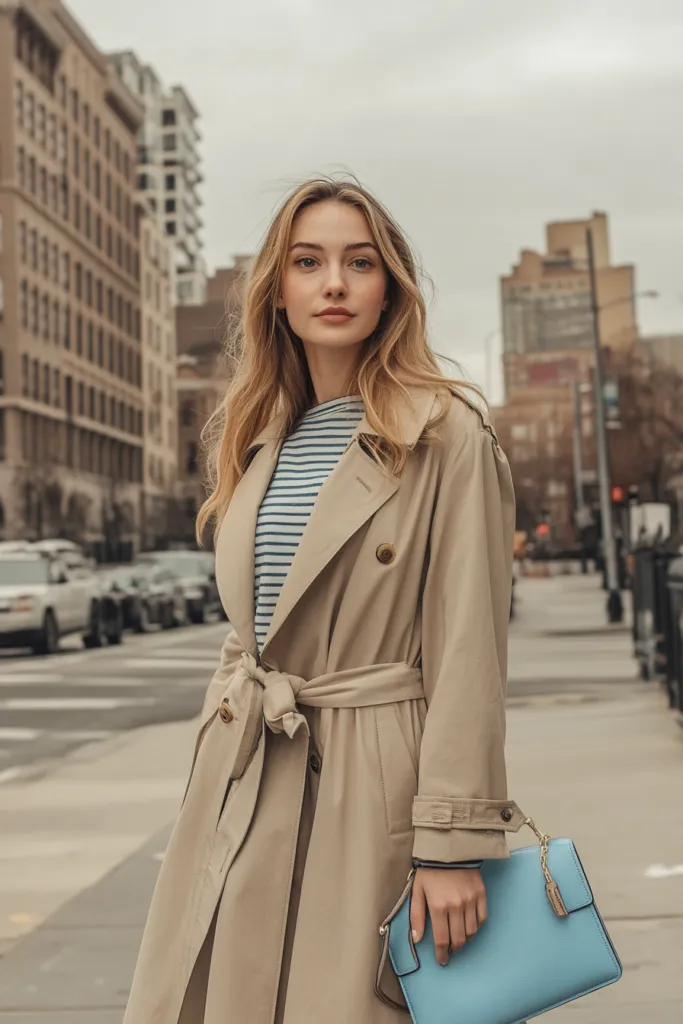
184, 663
73, 703
17, 735
10, 678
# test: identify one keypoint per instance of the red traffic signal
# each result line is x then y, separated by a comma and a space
618, 495
542, 530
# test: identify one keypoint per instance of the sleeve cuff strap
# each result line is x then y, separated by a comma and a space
445, 813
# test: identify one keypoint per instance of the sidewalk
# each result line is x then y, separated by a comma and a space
593, 753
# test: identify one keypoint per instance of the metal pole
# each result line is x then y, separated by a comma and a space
578, 476
615, 608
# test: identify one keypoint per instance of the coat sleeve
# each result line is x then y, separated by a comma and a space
461, 810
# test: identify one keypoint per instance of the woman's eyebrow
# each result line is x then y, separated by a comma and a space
347, 248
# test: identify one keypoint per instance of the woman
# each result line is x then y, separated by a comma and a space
356, 722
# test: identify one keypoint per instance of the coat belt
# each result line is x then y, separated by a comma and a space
257, 695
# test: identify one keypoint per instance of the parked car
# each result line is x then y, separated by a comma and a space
197, 577
149, 594
42, 599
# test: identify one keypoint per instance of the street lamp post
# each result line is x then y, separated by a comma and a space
615, 606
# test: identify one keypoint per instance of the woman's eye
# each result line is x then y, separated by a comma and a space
362, 263
306, 262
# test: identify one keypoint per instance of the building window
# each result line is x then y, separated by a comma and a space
86, 170
21, 167
66, 271
98, 231
35, 382
169, 142
32, 176
81, 399
191, 457
103, 407
169, 206
63, 146
42, 126
19, 103
168, 117
66, 328
52, 135
76, 156
86, 119
90, 336
87, 221
100, 347
47, 382
88, 289
24, 376
56, 323
77, 211
57, 389
54, 264
43, 257
54, 194
79, 335
79, 280
96, 131
23, 303
170, 227
91, 403
96, 179
75, 105
34, 310
43, 185
31, 115
23, 241
45, 317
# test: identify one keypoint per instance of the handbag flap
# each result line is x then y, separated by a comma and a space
521, 870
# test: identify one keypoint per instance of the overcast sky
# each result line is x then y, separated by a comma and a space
475, 121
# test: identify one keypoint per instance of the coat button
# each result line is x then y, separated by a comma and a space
225, 711
386, 553
315, 763
506, 814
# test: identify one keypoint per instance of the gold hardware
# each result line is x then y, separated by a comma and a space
552, 889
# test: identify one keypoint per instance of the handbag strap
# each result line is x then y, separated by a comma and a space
551, 888
384, 933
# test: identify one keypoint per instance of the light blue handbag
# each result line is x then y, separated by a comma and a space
542, 945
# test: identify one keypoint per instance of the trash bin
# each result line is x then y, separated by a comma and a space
675, 676
652, 622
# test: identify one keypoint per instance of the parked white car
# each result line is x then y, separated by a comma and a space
43, 599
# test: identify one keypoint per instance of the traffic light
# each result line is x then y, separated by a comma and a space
618, 496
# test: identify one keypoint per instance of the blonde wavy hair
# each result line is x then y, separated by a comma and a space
270, 368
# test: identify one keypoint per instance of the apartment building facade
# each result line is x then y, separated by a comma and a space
169, 170
71, 407
160, 469
546, 306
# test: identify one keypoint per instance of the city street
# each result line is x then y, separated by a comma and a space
52, 705
593, 753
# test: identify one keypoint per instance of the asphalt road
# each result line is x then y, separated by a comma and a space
51, 705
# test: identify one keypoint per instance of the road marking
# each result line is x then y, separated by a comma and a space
19, 735
9, 774
138, 663
73, 703
10, 678
661, 871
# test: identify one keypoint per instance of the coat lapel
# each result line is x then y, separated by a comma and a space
236, 540
355, 490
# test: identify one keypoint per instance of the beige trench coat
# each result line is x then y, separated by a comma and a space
371, 729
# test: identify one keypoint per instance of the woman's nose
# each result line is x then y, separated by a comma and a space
335, 284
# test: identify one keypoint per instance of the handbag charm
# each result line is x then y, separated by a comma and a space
543, 944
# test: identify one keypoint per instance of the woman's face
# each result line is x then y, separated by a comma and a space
334, 284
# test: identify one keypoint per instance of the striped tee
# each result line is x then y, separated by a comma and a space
307, 457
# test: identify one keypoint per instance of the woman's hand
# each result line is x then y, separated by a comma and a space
456, 898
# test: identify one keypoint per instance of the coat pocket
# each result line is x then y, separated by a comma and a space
398, 765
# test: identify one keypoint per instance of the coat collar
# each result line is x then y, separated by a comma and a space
354, 491
412, 419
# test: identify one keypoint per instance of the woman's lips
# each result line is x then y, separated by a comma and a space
335, 318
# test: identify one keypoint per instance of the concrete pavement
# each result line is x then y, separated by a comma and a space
593, 753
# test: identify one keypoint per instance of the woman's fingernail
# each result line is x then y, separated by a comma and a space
414, 935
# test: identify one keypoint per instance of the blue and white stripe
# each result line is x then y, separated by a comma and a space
306, 459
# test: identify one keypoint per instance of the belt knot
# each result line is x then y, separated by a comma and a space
279, 693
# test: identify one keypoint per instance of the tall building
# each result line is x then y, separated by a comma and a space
71, 403
546, 306
160, 471
169, 170
203, 376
